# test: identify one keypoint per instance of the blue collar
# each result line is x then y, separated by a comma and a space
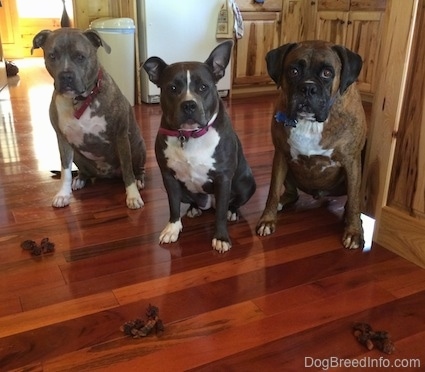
281, 117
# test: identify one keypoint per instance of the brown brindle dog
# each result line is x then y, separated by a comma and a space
318, 130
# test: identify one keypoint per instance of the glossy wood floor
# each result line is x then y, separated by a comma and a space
286, 302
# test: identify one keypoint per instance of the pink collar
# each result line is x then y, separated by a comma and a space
184, 135
87, 100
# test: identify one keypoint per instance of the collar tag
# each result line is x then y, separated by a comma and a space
281, 117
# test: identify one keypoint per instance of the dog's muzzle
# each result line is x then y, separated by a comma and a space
310, 101
190, 115
66, 82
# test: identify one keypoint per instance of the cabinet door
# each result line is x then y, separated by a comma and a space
9, 29
363, 37
261, 34
332, 26
292, 18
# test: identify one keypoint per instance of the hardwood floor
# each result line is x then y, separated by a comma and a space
286, 302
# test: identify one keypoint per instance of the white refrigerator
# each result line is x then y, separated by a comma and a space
178, 30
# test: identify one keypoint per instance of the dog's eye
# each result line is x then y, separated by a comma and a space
327, 73
172, 88
202, 88
79, 57
293, 72
52, 56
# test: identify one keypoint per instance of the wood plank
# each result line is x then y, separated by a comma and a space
334, 339
52, 314
222, 344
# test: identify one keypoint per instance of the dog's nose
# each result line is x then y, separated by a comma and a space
189, 107
309, 89
66, 77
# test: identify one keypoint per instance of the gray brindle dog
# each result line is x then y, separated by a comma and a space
94, 123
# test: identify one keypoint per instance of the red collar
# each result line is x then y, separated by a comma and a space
87, 100
184, 135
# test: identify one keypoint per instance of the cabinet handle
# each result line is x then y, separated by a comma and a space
349, 22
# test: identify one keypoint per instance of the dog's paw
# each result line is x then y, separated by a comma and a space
352, 240
221, 246
193, 212
265, 228
134, 200
78, 183
232, 216
171, 232
61, 200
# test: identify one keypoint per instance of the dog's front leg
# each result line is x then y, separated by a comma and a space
134, 199
353, 233
171, 231
63, 196
267, 223
222, 188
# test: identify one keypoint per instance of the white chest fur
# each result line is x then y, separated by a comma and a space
305, 139
75, 129
194, 160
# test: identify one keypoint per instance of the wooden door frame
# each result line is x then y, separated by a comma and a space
396, 50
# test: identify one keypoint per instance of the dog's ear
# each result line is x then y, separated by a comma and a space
40, 39
154, 67
274, 60
351, 65
219, 59
96, 40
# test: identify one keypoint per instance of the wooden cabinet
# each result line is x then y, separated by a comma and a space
298, 21
355, 24
261, 34
262, 27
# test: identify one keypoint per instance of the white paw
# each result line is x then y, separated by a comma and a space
264, 230
134, 200
354, 241
220, 245
193, 212
61, 200
232, 216
171, 232
78, 183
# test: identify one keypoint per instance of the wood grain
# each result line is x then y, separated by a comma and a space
267, 304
